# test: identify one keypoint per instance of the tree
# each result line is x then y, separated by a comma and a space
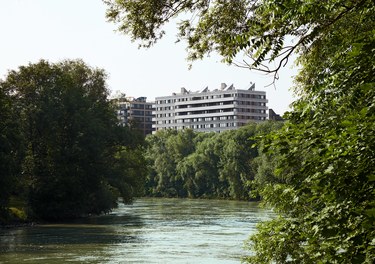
73, 142
166, 149
325, 158
204, 162
10, 150
129, 172
249, 33
161, 163
236, 154
195, 164
325, 191
265, 163
215, 23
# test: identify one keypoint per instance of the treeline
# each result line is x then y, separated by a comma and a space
62, 154
208, 165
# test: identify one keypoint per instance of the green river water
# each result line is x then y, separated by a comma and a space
148, 231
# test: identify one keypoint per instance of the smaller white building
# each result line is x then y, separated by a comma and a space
218, 110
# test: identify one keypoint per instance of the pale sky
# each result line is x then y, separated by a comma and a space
54, 30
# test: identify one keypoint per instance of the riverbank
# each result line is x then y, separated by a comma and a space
14, 217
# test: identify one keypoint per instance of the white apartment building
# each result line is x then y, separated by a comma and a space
218, 110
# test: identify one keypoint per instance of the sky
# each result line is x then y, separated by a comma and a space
55, 30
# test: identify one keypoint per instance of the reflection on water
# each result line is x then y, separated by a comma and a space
149, 231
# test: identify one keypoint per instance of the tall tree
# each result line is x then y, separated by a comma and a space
10, 149
72, 138
236, 154
166, 150
162, 164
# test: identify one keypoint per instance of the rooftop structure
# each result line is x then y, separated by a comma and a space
273, 116
218, 110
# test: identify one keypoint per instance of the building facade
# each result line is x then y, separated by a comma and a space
273, 116
136, 113
218, 110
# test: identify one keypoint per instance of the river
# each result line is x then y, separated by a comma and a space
148, 231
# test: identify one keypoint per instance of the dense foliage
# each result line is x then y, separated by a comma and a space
192, 164
77, 160
10, 150
324, 156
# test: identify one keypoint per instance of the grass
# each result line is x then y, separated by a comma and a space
15, 214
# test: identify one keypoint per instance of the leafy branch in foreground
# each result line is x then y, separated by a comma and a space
262, 32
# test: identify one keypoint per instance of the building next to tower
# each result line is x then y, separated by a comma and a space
218, 110
135, 112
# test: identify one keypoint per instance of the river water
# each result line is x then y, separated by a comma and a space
148, 231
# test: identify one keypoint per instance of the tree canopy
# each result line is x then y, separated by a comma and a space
259, 32
77, 159
196, 165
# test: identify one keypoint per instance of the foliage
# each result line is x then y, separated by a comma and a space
255, 32
10, 149
211, 25
129, 172
164, 151
191, 164
325, 153
18, 214
73, 143
327, 195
